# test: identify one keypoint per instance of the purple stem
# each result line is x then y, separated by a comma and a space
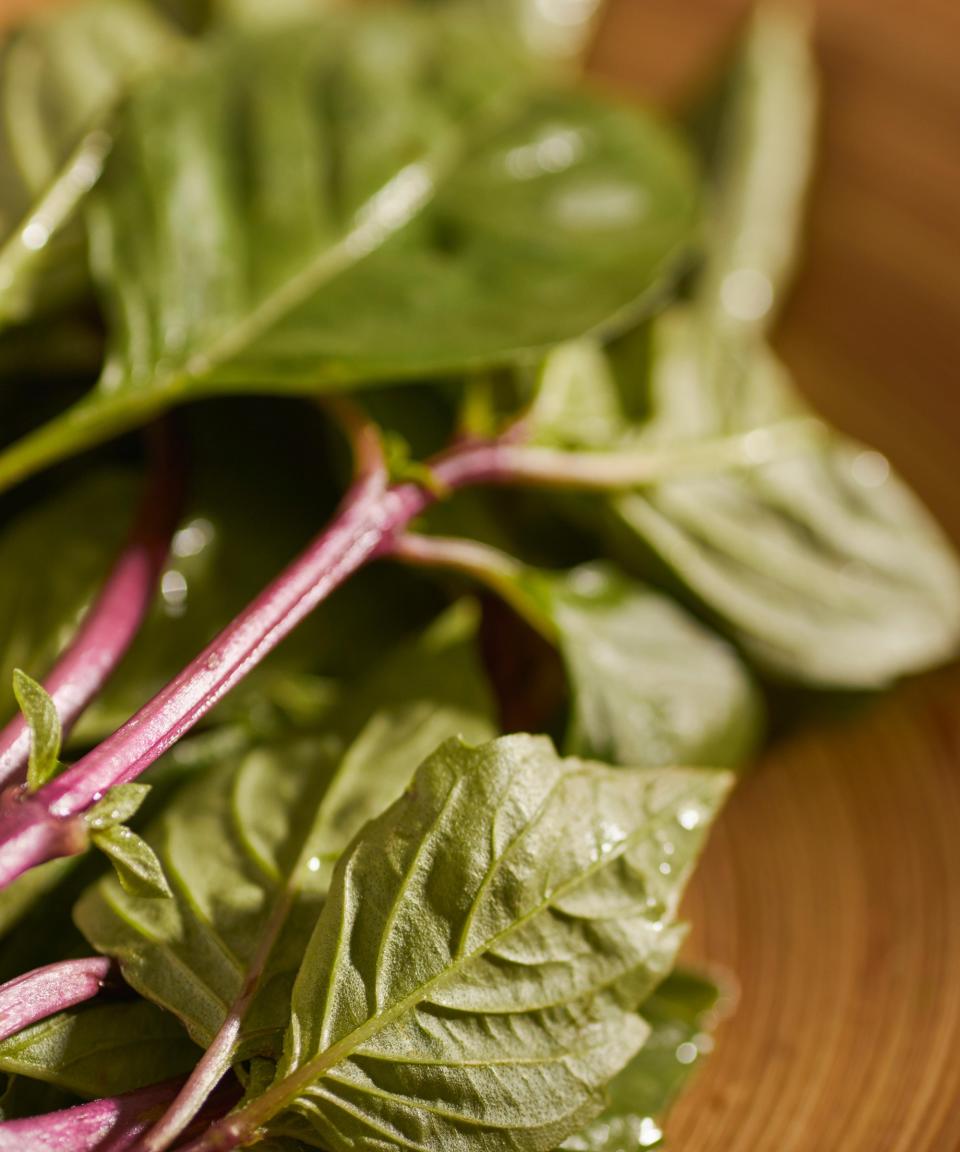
40, 826
36, 827
41, 993
113, 621
111, 1125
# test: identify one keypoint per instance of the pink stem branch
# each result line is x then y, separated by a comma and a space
51, 989
39, 826
111, 1125
113, 621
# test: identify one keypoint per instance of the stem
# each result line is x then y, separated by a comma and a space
115, 1123
48, 823
112, 623
497, 570
39, 994
217, 1060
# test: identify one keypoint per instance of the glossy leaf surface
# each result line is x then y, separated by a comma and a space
361, 182
61, 77
472, 979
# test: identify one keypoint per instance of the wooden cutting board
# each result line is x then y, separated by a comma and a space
832, 887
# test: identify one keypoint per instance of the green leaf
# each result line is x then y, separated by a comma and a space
472, 978
649, 684
101, 1049
681, 1014
248, 848
822, 565
139, 871
364, 180
117, 807
61, 77
40, 713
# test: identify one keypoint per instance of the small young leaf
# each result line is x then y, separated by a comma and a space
139, 871
117, 807
472, 979
40, 712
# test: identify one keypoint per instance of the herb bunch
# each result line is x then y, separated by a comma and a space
283, 865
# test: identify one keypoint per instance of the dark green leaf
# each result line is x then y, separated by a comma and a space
471, 980
363, 181
67, 563
101, 1049
60, 78
40, 713
247, 840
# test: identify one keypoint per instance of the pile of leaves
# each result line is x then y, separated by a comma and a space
281, 861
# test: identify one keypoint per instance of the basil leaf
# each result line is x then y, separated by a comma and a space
40, 713
248, 849
60, 78
101, 1049
680, 1013
470, 981
649, 684
822, 565
361, 186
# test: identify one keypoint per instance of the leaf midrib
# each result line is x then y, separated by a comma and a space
275, 1101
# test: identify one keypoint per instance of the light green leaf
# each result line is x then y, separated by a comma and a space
40, 713
472, 979
649, 684
61, 76
681, 1014
248, 848
101, 1049
363, 181
139, 871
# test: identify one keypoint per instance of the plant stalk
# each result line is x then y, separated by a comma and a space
112, 622
37, 827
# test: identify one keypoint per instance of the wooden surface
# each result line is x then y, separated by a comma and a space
832, 888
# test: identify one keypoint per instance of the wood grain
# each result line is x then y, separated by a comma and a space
832, 887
